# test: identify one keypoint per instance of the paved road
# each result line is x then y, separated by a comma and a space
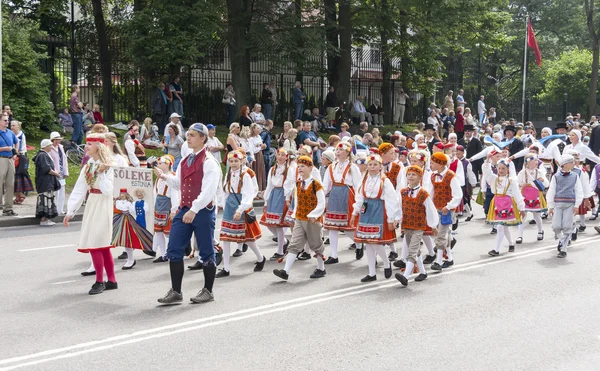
526, 310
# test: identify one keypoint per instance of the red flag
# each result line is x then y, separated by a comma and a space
532, 43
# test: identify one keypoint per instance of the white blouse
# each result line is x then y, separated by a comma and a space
276, 180
248, 191
256, 143
104, 182
499, 184
526, 176
389, 196
352, 177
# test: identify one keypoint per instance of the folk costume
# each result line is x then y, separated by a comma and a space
239, 192
532, 184
564, 194
419, 214
505, 207
446, 193
135, 153
341, 182
470, 183
376, 205
308, 215
96, 226
595, 185
393, 172
588, 194
166, 201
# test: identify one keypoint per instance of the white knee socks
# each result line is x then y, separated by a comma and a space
404, 252
252, 245
371, 259
159, 243
538, 221
289, 261
409, 268
226, 255
130, 259
507, 235
428, 241
380, 250
582, 220
393, 247
320, 263
333, 242
421, 265
280, 240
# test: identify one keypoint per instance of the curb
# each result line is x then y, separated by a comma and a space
6, 222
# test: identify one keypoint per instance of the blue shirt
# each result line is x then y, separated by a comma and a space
7, 139
298, 96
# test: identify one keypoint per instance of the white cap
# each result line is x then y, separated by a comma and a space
45, 143
565, 159
174, 114
199, 127
55, 135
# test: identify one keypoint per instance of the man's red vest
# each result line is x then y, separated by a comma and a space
191, 179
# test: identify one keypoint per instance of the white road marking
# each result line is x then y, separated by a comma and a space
63, 282
46, 248
176, 328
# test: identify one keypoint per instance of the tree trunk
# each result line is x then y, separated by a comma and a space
105, 63
594, 80
239, 21
386, 65
344, 69
333, 46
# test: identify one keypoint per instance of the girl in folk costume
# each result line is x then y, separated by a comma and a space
393, 171
595, 185
565, 194
402, 156
457, 167
308, 217
446, 194
588, 195
96, 227
470, 182
280, 186
507, 205
377, 210
327, 158
239, 222
420, 214
493, 157
361, 161
340, 182
166, 202
126, 230
532, 182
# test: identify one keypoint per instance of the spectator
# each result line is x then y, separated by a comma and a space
22, 180
289, 144
265, 135
168, 94
330, 104
76, 115
431, 108
256, 115
233, 140
319, 121
213, 143
359, 110
6, 109
284, 134
459, 123
175, 121
133, 148
376, 113
299, 99
88, 117
46, 183
363, 128
460, 100
149, 134
309, 138
61, 166
432, 119
177, 93
247, 145
376, 137
367, 140
173, 143
229, 102
333, 142
449, 101
266, 101
481, 109
159, 107
344, 133
97, 114
491, 117
66, 121
298, 125
245, 119
258, 165
401, 102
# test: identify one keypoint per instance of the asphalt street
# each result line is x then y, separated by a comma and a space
526, 310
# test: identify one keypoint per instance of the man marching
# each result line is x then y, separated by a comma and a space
198, 177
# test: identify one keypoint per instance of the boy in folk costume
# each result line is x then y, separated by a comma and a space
588, 196
166, 201
239, 222
393, 171
446, 194
280, 186
532, 183
377, 210
470, 182
456, 166
308, 215
507, 202
340, 183
564, 195
419, 214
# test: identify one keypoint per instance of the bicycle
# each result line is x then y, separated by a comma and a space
75, 153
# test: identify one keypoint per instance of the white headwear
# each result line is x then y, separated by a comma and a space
547, 130
497, 136
565, 159
577, 132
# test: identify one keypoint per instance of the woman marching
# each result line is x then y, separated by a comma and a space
532, 182
96, 227
239, 222
340, 182
377, 211
507, 203
280, 186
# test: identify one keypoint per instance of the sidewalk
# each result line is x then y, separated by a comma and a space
27, 217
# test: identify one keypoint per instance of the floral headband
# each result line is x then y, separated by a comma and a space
305, 160
374, 158
235, 154
344, 146
282, 150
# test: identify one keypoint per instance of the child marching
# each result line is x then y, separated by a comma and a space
377, 211
166, 201
532, 183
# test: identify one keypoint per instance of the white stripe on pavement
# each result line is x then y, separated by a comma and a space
63, 282
159, 332
46, 248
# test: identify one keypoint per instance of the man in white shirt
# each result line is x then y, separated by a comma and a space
130, 145
460, 100
175, 121
213, 144
360, 111
400, 108
481, 108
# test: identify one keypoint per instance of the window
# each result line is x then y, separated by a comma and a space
375, 53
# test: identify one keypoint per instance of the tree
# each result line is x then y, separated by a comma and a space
105, 61
239, 21
593, 25
25, 87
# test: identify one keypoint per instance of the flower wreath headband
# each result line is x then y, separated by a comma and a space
236, 155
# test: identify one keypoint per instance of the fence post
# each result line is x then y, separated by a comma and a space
565, 107
73, 58
393, 108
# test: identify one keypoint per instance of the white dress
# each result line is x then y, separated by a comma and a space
97, 224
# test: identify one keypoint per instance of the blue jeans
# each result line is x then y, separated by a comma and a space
481, 117
268, 111
230, 114
203, 228
178, 107
299, 107
77, 135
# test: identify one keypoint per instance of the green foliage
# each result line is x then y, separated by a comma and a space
25, 87
570, 74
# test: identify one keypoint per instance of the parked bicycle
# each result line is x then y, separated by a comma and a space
75, 153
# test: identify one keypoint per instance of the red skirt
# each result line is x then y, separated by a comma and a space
582, 210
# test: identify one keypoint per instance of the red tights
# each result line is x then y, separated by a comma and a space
103, 260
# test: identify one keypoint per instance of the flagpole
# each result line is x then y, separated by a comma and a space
524, 69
